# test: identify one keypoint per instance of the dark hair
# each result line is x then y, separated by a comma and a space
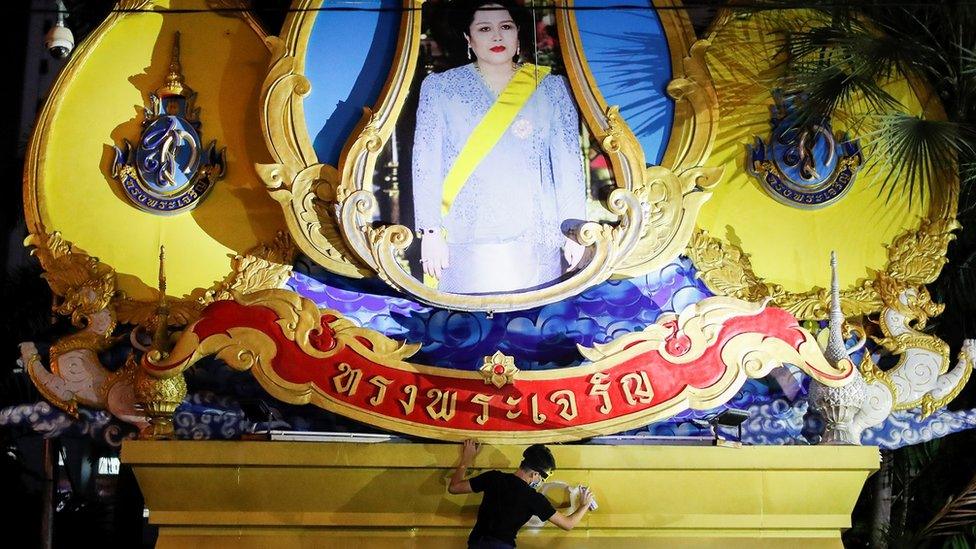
467, 8
537, 458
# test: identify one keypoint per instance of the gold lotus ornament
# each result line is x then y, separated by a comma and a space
499, 369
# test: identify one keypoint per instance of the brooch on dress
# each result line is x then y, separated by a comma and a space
522, 128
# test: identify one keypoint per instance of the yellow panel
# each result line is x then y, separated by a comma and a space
100, 103
208, 494
409, 539
790, 246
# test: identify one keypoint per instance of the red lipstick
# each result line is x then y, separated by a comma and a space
498, 49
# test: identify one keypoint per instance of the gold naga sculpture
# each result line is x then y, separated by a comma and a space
86, 290
77, 376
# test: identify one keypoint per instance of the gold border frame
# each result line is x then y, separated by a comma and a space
328, 209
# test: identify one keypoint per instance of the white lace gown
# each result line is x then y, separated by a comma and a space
505, 228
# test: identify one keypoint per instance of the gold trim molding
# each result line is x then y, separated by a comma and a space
915, 258
266, 266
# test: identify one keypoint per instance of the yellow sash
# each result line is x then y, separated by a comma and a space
490, 129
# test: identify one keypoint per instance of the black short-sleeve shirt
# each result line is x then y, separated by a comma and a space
508, 503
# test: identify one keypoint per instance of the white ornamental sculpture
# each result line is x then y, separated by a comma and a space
838, 405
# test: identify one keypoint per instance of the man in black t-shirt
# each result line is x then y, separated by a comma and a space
510, 498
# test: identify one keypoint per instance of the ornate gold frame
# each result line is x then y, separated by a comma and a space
328, 209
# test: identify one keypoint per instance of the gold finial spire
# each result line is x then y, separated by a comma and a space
162, 272
161, 318
174, 79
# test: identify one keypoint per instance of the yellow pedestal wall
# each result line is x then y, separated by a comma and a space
290, 494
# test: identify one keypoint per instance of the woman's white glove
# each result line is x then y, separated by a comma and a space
434, 254
573, 253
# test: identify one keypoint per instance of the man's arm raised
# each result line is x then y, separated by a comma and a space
458, 485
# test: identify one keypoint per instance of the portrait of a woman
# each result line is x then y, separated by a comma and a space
498, 177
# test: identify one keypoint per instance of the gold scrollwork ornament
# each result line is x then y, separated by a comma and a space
85, 289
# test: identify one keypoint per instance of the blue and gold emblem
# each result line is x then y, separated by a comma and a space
169, 171
804, 168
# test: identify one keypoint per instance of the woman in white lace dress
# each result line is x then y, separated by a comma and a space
497, 166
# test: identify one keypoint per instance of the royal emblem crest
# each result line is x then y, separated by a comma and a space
169, 171
804, 168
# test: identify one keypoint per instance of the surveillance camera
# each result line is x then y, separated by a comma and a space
59, 41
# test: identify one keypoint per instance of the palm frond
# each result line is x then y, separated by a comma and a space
967, 168
840, 12
957, 516
914, 154
958, 541
826, 91
967, 60
857, 49
920, 456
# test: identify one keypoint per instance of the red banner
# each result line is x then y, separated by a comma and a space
356, 372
